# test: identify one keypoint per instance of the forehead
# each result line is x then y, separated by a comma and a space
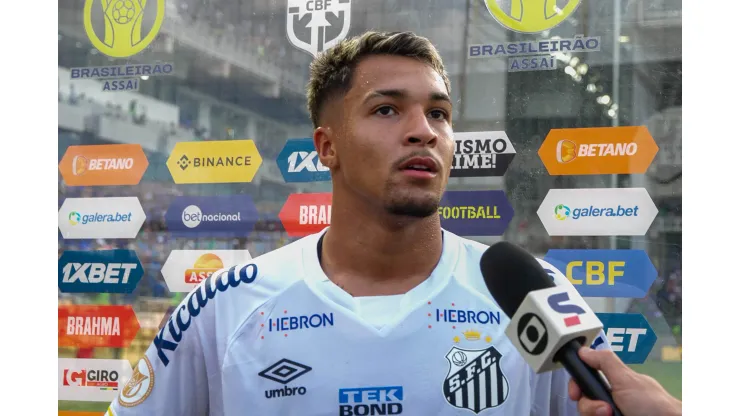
395, 72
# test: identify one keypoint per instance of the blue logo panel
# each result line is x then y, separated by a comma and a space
606, 273
475, 213
212, 216
629, 335
100, 271
299, 162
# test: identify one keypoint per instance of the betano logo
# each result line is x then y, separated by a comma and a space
228, 161
531, 16
563, 212
204, 267
566, 150
98, 165
122, 20
598, 151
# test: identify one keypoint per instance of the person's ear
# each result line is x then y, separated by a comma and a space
324, 141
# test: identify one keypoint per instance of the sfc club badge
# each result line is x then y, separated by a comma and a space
475, 381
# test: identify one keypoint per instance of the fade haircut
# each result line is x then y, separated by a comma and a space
331, 72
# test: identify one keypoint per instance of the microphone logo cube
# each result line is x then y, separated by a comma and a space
546, 320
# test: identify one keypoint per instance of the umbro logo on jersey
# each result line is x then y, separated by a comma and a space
283, 372
475, 380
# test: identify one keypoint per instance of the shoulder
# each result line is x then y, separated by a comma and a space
468, 271
218, 306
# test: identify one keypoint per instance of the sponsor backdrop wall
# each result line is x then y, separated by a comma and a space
229, 170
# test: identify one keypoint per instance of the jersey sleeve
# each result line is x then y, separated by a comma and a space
550, 390
172, 377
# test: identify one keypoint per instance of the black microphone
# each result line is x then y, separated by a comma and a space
549, 323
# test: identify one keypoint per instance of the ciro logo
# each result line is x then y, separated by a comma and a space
191, 216
530, 16
562, 212
74, 217
123, 19
532, 333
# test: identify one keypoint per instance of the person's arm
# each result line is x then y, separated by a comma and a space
634, 394
171, 378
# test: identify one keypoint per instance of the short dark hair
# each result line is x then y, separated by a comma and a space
331, 71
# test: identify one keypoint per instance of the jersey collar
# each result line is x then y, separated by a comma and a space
320, 284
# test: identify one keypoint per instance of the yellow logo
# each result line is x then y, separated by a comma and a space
227, 161
565, 151
531, 16
472, 335
122, 19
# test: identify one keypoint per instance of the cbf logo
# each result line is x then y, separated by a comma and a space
531, 16
316, 25
475, 380
114, 27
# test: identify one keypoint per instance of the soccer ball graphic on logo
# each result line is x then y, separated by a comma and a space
123, 11
459, 358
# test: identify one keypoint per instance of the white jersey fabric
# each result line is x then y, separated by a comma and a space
277, 337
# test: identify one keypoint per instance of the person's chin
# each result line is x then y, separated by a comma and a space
420, 207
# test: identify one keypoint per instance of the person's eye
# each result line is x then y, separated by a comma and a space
438, 114
385, 110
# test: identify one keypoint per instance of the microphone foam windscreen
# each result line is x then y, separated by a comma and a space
510, 273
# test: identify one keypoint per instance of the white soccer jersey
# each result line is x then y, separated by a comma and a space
277, 337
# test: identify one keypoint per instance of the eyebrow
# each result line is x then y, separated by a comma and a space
403, 94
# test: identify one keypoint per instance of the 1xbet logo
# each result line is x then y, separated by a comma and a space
100, 271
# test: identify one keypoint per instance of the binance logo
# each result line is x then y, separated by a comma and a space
227, 161
184, 162
565, 151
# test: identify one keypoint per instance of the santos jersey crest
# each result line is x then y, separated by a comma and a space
475, 380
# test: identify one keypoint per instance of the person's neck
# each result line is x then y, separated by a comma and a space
369, 252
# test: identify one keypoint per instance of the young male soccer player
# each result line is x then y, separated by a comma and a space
384, 312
